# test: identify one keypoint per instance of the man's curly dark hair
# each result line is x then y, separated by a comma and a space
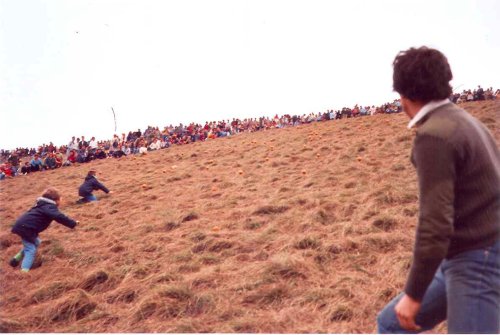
422, 74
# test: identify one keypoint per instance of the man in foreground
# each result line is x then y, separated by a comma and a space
455, 274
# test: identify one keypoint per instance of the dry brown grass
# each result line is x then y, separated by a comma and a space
306, 229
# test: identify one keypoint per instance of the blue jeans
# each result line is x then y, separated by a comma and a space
465, 291
29, 253
89, 198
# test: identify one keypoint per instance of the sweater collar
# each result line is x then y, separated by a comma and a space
426, 109
50, 201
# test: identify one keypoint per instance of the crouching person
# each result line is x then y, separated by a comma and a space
33, 222
89, 185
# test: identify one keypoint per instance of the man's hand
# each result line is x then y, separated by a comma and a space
406, 311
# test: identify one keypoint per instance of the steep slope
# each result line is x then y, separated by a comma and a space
305, 229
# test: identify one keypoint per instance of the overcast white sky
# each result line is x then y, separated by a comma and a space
64, 64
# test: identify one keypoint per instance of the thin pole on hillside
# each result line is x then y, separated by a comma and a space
114, 116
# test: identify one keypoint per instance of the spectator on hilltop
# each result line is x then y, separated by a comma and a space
26, 168
59, 157
93, 143
99, 154
155, 144
479, 93
50, 162
14, 160
83, 144
81, 156
118, 153
72, 145
72, 156
36, 163
6, 170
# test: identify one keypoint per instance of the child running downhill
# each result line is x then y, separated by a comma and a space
33, 222
89, 185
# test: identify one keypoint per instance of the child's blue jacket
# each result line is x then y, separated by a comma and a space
38, 218
90, 184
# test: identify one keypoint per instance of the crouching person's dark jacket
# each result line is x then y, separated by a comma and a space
90, 184
38, 218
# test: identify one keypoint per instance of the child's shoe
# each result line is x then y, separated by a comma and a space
13, 262
16, 259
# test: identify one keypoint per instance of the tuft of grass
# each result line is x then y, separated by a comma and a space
245, 326
404, 138
167, 278
322, 258
171, 225
146, 309
10, 326
322, 217
75, 306
180, 293
385, 223
210, 259
5, 242
174, 302
198, 236
49, 292
341, 313
252, 225
117, 248
381, 244
308, 243
56, 249
266, 210
184, 256
212, 246
92, 280
185, 328
125, 295
301, 201
487, 120
203, 282
199, 305
398, 167
190, 217
410, 212
350, 184
369, 214
268, 296
334, 249
189, 268
284, 270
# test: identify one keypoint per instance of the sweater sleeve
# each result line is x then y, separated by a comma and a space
100, 186
59, 217
435, 163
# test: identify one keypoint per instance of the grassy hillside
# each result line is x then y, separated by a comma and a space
306, 229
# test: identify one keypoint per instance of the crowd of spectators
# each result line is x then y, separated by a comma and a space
477, 94
22, 161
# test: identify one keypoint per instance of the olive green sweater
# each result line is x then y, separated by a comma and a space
458, 168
